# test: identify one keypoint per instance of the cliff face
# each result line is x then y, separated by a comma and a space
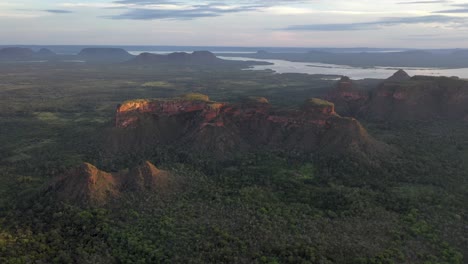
348, 97
87, 185
218, 129
401, 97
419, 98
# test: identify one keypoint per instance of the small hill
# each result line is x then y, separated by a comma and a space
399, 76
105, 54
44, 52
87, 185
145, 177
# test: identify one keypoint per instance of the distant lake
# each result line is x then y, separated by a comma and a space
282, 66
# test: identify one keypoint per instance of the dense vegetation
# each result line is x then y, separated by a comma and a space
255, 208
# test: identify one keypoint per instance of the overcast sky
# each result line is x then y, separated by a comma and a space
267, 23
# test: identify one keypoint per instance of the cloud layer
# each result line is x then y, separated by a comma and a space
391, 21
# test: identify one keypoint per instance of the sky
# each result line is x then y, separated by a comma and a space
254, 23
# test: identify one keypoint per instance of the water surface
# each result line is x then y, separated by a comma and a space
282, 66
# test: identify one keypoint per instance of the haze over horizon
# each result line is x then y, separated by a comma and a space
277, 23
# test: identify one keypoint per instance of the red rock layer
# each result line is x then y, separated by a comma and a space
220, 128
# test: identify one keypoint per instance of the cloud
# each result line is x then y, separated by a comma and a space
433, 37
211, 2
192, 12
458, 9
453, 11
57, 11
184, 10
425, 2
391, 21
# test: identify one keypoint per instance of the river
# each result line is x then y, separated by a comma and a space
282, 66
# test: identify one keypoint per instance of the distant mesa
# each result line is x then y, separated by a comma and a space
197, 57
202, 58
87, 185
220, 129
105, 54
402, 97
16, 53
44, 52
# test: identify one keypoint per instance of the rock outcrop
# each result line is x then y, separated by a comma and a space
145, 177
348, 97
402, 97
218, 129
87, 185
419, 98
399, 76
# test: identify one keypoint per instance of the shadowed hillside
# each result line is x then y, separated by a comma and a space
402, 97
219, 129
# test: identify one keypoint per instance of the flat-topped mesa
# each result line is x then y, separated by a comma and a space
196, 57
104, 55
87, 185
196, 123
16, 53
316, 105
45, 52
128, 113
419, 98
401, 97
103, 52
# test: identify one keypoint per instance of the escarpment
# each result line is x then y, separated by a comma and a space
402, 97
194, 122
